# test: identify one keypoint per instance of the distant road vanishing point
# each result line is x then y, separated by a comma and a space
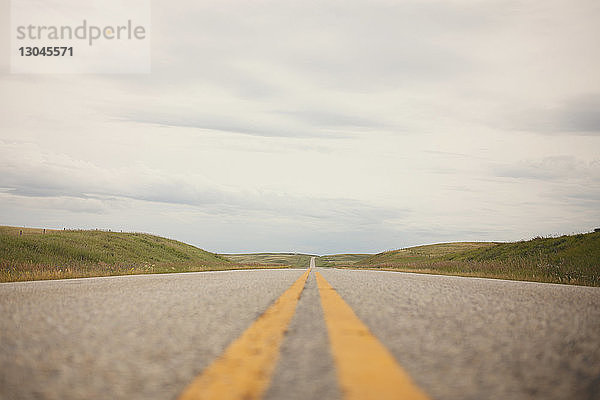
316, 333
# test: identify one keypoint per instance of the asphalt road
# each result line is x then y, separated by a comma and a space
147, 337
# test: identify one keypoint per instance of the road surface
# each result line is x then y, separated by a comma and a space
151, 336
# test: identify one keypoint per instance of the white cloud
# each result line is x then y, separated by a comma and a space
331, 127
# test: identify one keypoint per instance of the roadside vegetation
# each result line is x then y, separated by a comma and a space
273, 259
337, 259
33, 254
571, 259
294, 259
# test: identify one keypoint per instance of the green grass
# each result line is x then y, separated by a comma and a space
294, 259
272, 259
337, 259
30, 254
423, 253
567, 259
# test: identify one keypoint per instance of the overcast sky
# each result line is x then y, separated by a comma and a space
321, 127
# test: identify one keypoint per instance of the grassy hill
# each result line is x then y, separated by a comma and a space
566, 259
271, 259
337, 259
422, 253
294, 259
27, 254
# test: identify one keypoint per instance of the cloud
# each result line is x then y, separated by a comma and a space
579, 115
332, 119
554, 169
354, 45
82, 186
287, 124
48, 203
342, 125
256, 126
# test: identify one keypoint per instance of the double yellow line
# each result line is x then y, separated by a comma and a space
365, 368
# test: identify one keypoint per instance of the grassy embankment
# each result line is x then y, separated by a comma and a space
54, 254
567, 259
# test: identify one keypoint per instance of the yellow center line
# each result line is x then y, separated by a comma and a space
365, 368
244, 370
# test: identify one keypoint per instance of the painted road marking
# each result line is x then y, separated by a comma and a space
365, 368
244, 370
